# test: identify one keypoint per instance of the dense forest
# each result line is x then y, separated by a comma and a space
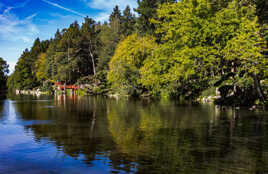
3, 74
167, 48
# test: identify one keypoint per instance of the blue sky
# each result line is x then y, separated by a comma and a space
21, 21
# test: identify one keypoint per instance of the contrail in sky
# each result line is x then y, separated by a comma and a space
63, 8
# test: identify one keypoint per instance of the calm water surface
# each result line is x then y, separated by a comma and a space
95, 135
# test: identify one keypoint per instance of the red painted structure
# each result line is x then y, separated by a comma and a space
60, 86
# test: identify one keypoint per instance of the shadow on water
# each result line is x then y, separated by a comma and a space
1, 109
2, 100
2, 95
135, 136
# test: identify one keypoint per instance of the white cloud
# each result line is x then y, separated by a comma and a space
59, 21
109, 4
12, 65
106, 6
101, 17
14, 29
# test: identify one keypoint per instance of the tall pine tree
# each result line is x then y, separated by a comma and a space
147, 10
90, 33
128, 22
3, 73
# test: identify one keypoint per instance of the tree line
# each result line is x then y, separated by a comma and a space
170, 48
3, 74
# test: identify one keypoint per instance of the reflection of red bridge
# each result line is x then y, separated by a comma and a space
60, 86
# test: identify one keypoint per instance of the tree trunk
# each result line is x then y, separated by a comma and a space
257, 87
69, 73
92, 57
93, 62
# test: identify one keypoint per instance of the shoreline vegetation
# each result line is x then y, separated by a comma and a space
195, 50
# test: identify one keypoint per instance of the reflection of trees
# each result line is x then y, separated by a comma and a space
2, 96
150, 140
237, 141
74, 127
2, 103
1, 108
155, 137
178, 140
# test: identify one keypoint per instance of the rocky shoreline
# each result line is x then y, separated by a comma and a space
206, 99
37, 92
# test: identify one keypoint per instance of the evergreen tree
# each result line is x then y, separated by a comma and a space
128, 22
147, 10
115, 20
3, 73
90, 33
201, 43
40, 66
116, 14
109, 36
51, 68
65, 55
23, 76
109, 40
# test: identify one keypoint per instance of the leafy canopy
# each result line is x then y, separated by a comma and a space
128, 59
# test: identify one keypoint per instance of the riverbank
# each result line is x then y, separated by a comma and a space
212, 99
32, 92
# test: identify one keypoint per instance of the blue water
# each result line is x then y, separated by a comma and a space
65, 135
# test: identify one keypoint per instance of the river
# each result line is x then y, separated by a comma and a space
96, 135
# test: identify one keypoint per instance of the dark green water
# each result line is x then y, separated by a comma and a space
97, 135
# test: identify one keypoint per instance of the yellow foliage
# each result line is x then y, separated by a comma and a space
40, 65
128, 58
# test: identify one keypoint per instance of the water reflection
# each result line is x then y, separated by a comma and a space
132, 136
1, 109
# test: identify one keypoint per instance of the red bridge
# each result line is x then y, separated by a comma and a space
60, 86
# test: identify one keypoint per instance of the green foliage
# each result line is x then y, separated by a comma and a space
51, 65
120, 26
40, 65
90, 43
3, 73
47, 87
200, 45
182, 64
65, 56
182, 49
110, 35
261, 10
73, 53
109, 38
147, 10
128, 58
24, 76
115, 15
244, 49
128, 22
